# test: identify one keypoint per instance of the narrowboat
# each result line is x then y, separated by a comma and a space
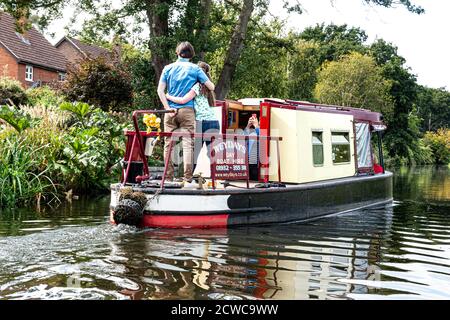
312, 161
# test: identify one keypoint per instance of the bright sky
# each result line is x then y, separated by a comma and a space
421, 39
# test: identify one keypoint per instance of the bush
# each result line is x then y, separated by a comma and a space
439, 142
44, 97
40, 159
101, 83
89, 160
11, 89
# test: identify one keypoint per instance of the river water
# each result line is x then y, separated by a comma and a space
399, 252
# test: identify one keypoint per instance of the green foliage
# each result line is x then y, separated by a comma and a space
44, 96
11, 90
142, 74
355, 81
94, 146
261, 71
335, 41
79, 109
46, 159
433, 107
404, 93
15, 118
439, 142
21, 181
101, 83
303, 64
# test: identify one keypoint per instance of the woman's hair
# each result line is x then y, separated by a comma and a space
203, 89
185, 50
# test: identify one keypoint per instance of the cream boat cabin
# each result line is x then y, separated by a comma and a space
312, 161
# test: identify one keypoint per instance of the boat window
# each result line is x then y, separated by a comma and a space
341, 147
317, 142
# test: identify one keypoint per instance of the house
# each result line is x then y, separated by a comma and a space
29, 57
74, 50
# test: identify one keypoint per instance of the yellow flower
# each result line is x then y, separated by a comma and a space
152, 122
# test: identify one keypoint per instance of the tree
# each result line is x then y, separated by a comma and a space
433, 107
101, 83
401, 136
261, 71
303, 64
234, 50
169, 21
354, 81
335, 41
313, 47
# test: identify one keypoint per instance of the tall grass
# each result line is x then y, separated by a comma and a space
22, 181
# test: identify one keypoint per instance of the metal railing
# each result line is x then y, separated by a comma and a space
138, 139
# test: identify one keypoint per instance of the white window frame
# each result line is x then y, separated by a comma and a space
29, 73
333, 132
62, 76
318, 144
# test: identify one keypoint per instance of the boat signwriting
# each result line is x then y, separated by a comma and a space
229, 160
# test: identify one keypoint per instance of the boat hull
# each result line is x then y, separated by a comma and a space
225, 208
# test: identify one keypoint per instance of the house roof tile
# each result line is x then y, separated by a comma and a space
86, 49
30, 48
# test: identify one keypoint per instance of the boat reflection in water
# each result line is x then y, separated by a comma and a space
296, 261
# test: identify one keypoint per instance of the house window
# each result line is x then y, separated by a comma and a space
317, 144
29, 73
23, 39
340, 147
61, 76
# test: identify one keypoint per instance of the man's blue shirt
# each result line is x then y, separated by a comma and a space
180, 77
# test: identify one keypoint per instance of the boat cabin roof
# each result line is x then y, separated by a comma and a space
254, 104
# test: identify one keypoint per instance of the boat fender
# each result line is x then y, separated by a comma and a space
128, 193
130, 209
128, 212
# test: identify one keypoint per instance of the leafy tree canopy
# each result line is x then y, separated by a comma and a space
354, 81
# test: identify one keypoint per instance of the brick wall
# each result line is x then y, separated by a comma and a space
72, 55
8, 64
38, 75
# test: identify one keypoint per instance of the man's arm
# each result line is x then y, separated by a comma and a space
188, 97
162, 95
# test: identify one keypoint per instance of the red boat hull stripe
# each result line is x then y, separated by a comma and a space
180, 222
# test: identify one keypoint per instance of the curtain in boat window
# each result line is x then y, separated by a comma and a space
363, 145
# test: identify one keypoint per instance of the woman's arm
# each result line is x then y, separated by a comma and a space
188, 97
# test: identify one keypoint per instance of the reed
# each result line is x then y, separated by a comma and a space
21, 179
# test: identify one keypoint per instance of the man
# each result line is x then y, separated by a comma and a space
178, 79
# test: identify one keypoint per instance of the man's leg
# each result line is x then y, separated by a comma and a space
169, 126
186, 119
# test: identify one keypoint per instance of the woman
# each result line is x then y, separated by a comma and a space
204, 102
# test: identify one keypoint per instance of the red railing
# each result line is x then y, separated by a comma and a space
138, 138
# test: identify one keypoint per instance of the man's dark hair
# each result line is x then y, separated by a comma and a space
185, 50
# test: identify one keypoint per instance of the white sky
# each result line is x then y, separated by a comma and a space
421, 39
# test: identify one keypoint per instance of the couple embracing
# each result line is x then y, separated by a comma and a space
190, 94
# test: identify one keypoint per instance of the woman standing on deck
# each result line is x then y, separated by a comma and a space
204, 102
